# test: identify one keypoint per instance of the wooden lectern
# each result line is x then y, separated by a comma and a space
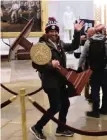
21, 40
41, 55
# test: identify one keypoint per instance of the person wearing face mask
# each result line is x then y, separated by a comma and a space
52, 82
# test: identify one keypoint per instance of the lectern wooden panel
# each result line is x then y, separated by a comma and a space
79, 80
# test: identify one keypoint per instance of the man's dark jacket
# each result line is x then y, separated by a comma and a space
50, 77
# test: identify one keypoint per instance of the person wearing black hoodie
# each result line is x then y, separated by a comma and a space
52, 82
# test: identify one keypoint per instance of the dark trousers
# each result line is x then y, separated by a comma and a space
59, 102
99, 79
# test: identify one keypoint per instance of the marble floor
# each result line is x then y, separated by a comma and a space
19, 74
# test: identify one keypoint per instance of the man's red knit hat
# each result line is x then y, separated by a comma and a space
52, 25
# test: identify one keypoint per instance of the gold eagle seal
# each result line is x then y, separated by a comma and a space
40, 54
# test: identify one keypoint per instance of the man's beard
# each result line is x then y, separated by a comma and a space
54, 38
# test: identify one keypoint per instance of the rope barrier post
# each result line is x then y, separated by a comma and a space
23, 113
13, 98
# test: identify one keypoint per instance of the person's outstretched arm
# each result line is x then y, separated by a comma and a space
76, 41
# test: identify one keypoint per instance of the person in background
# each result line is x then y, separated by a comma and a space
14, 12
53, 83
97, 60
85, 40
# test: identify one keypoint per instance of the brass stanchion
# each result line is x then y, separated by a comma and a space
23, 111
13, 98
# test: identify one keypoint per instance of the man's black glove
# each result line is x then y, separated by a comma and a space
79, 69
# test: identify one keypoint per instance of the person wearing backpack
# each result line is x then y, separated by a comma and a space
95, 49
85, 38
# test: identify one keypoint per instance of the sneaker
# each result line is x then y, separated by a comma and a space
103, 112
66, 133
93, 114
38, 134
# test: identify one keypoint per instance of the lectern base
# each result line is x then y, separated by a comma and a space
22, 55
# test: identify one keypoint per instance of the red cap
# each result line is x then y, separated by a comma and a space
100, 27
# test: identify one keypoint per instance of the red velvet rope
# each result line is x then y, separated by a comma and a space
14, 93
88, 133
40, 108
